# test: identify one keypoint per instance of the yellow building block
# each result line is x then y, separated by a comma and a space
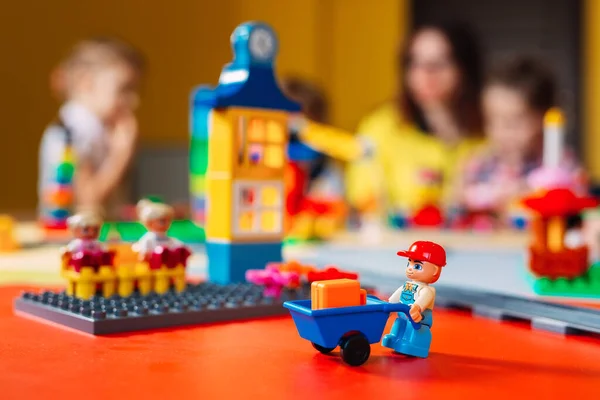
220, 207
7, 238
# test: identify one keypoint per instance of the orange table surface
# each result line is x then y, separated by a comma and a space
264, 359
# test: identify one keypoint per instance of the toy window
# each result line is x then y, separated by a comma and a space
275, 132
258, 208
248, 196
274, 156
246, 222
270, 196
255, 154
270, 221
257, 131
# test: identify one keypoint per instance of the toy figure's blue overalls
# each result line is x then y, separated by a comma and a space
405, 339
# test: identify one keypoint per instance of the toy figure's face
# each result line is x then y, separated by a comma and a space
87, 232
159, 225
422, 271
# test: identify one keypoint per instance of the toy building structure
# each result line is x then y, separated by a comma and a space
558, 253
239, 158
58, 198
242, 128
551, 255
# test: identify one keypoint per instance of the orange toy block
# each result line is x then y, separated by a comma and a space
337, 293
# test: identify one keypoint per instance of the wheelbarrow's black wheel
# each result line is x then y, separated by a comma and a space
355, 350
321, 349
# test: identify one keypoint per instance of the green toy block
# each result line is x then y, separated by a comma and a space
106, 230
187, 232
183, 230
198, 156
130, 231
587, 285
197, 184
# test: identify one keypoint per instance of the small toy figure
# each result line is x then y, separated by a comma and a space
425, 262
155, 244
86, 250
85, 227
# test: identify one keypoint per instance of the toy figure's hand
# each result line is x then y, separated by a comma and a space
415, 313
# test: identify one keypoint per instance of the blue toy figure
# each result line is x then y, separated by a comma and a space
425, 262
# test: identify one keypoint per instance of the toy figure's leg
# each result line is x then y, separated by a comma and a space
414, 342
396, 332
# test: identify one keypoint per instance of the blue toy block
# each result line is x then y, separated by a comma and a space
250, 73
300, 152
199, 120
228, 262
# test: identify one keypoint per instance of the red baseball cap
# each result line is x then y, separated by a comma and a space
426, 251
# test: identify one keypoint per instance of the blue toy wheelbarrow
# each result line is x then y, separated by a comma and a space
354, 329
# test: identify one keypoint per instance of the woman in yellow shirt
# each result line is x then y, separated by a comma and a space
420, 138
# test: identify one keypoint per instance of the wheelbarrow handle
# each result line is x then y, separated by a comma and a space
404, 309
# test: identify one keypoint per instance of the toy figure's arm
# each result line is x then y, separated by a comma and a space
72, 246
395, 297
334, 142
426, 298
144, 245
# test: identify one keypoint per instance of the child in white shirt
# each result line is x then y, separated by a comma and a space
96, 128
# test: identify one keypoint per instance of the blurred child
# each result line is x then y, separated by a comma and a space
515, 99
98, 82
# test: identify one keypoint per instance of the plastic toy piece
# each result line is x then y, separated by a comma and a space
429, 216
337, 293
197, 304
353, 329
553, 317
59, 195
86, 264
330, 273
587, 285
551, 254
425, 263
7, 236
238, 162
246, 120
293, 266
273, 280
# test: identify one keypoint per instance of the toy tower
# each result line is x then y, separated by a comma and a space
238, 158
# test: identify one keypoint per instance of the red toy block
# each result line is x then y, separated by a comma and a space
330, 273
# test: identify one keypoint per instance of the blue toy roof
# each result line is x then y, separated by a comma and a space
249, 80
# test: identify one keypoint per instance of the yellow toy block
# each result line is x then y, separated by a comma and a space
85, 284
162, 280
144, 278
7, 238
334, 142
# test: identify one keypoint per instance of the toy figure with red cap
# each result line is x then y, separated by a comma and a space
425, 262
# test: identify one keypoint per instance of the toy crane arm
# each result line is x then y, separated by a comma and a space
334, 142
